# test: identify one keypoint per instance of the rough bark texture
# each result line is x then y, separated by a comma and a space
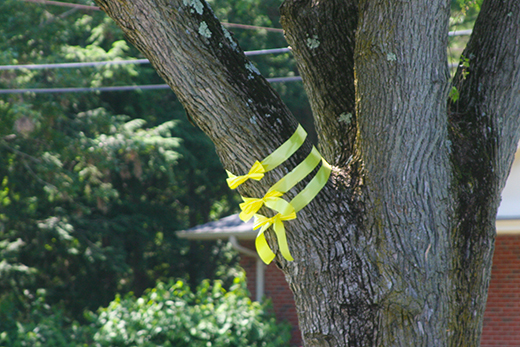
324, 32
401, 82
396, 250
484, 133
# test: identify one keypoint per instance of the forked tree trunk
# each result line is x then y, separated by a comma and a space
396, 249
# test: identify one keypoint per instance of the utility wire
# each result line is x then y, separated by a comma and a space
118, 88
460, 32
251, 27
78, 90
268, 51
231, 25
72, 65
119, 62
65, 4
95, 8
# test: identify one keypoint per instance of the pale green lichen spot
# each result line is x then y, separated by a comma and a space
252, 69
313, 42
391, 57
345, 117
204, 30
195, 4
230, 38
448, 145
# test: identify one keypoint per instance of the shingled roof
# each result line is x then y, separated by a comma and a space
221, 229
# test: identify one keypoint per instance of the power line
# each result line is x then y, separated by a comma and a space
251, 27
65, 4
119, 62
95, 8
268, 51
460, 32
118, 88
284, 79
72, 65
79, 90
231, 25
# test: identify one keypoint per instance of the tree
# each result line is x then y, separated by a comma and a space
94, 185
397, 248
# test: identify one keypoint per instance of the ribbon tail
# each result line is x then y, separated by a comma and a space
279, 229
245, 216
263, 249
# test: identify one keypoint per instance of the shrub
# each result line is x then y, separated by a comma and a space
173, 315
167, 315
40, 326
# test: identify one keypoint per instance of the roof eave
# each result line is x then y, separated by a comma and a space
222, 235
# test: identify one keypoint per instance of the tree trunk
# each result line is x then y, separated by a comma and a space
396, 249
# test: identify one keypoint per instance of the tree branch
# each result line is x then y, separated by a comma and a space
484, 132
485, 119
322, 37
219, 88
229, 101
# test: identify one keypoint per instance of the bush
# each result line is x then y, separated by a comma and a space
172, 315
40, 326
167, 315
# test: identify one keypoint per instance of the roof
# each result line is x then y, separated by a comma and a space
220, 229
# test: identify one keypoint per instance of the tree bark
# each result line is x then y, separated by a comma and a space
396, 249
484, 129
402, 78
322, 37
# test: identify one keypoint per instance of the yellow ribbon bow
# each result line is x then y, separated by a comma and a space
272, 199
270, 162
250, 206
263, 222
256, 173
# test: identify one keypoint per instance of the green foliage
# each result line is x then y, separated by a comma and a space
93, 186
86, 192
463, 16
40, 325
466, 5
172, 315
167, 315
454, 94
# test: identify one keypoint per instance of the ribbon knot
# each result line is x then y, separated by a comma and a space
263, 222
250, 206
256, 173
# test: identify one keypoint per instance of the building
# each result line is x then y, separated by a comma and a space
502, 316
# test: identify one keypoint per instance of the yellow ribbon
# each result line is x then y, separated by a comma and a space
313, 187
250, 206
299, 172
286, 210
270, 162
263, 222
287, 149
256, 173
272, 199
